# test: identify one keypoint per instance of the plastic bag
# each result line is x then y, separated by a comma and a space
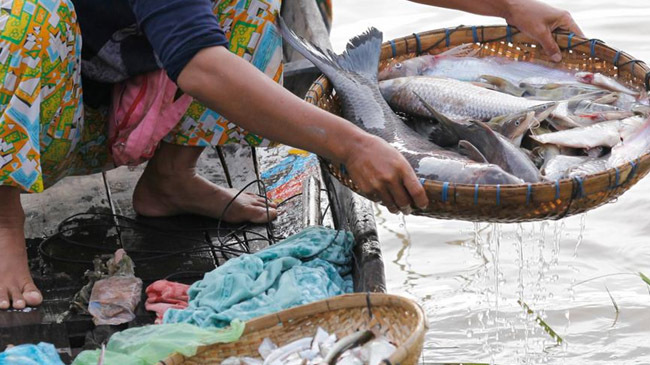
113, 300
41, 354
150, 344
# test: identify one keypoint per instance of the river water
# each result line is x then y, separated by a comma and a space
579, 275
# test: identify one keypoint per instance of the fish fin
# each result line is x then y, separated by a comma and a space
486, 127
504, 85
361, 55
464, 50
446, 122
471, 151
320, 58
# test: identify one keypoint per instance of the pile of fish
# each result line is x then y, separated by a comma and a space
359, 348
465, 119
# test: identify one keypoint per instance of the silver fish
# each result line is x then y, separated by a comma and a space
557, 167
602, 134
590, 167
455, 99
459, 63
632, 146
354, 76
496, 148
604, 82
515, 126
353, 340
285, 351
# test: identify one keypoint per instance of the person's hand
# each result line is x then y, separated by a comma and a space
382, 174
538, 20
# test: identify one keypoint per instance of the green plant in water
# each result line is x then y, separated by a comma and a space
542, 324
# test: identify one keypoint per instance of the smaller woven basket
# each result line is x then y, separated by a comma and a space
512, 203
401, 320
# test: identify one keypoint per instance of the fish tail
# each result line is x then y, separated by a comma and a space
361, 55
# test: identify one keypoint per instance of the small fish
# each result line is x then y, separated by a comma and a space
461, 64
604, 82
590, 167
558, 166
515, 126
285, 351
353, 340
504, 86
556, 91
434, 131
496, 148
354, 76
602, 134
633, 145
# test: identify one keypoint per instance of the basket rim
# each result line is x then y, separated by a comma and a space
567, 41
345, 301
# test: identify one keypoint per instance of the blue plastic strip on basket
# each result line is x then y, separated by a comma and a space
633, 171
447, 40
617, 56
475, 34
476, 194
570, 40
593, 47
422, 181
509, 34
581, 188
343, 169
618, 177
418, 44
557, 189
498, 194
393, 48
322, 89
445, 192
529, 193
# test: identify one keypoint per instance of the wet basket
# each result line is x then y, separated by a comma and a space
513, 203
401, 320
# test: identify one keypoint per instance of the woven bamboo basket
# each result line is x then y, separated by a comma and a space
401, 320
513, 203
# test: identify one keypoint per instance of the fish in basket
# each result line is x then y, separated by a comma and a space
360, 328
495, 131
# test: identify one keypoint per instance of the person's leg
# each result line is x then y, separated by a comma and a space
171, 186
17, 288
41, 124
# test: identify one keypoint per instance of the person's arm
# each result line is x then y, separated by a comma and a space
534, 18
244, 95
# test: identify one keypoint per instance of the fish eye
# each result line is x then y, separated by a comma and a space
517, 122
398, 65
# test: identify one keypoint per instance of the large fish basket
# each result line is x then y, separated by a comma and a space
513, 203
401, 320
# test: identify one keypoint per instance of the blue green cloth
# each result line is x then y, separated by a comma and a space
41, 354
150, 344
309, 266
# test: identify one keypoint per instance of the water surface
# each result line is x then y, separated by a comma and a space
471, 278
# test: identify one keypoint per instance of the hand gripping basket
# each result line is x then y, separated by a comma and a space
513, 203
401, 320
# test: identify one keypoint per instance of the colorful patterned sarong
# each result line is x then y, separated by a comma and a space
45, 131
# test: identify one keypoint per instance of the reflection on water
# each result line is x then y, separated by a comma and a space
579, 276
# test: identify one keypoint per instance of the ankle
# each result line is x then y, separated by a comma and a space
11, 214
170, 160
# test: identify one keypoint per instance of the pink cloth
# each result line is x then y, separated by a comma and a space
143, 113
163, 294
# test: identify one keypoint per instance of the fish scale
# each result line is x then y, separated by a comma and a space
455, 99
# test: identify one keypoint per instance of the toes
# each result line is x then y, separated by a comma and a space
260, 215
4, 299
32, 295
17, 300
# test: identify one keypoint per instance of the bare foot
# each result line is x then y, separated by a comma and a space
17, 288
165, 191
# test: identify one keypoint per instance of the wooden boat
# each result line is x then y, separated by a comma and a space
107, 221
